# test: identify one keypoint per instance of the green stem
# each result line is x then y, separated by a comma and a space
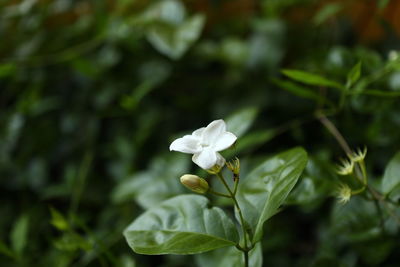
335, 132
246, 258
236, 181
340, 139
358, 191
376, 196
363, 171
242, 223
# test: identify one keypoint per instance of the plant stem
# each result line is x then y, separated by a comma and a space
236, 181
340, 139
242, 223
246, 258
335, 132
376, 196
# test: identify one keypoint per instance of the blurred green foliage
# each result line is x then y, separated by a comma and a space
92, 93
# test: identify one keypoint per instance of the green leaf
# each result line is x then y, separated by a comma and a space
298, 90
173, 41
356, 221
265, 189
232, 257
168, 11
315, 185
326, 12
158, 183
181, 225
7, 70
58, 220
240, 121
354, 75
381, 93
251, 141
255, 139
311, 79
71, 242
391, 177
19, 234
5, 250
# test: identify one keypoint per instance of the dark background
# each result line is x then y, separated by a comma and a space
93, 92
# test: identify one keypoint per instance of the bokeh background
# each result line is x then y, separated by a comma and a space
93, 92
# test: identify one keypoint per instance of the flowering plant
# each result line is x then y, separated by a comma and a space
188, 224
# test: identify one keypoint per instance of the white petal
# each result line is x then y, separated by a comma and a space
199, 132
224, 141
206, 159
187, 144
220, 160
212, 132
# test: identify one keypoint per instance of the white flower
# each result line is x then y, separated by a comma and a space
205, 143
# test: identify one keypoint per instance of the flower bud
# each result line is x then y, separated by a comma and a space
358, 155
346, 168
195, 183
234, 166
344, 193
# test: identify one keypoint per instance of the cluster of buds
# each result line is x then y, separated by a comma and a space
234, 167
347, 166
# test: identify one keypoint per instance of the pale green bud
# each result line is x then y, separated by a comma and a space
346, 168
195, 183
358, 155
344, 193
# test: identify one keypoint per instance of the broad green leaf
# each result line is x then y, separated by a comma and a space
158, 183
312, 79
19, 234
232, 257
354, 75
181, 225
358, 220
240, 121
391, 177
315, 185
173, 41
265, 189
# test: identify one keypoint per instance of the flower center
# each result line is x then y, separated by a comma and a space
204, 145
